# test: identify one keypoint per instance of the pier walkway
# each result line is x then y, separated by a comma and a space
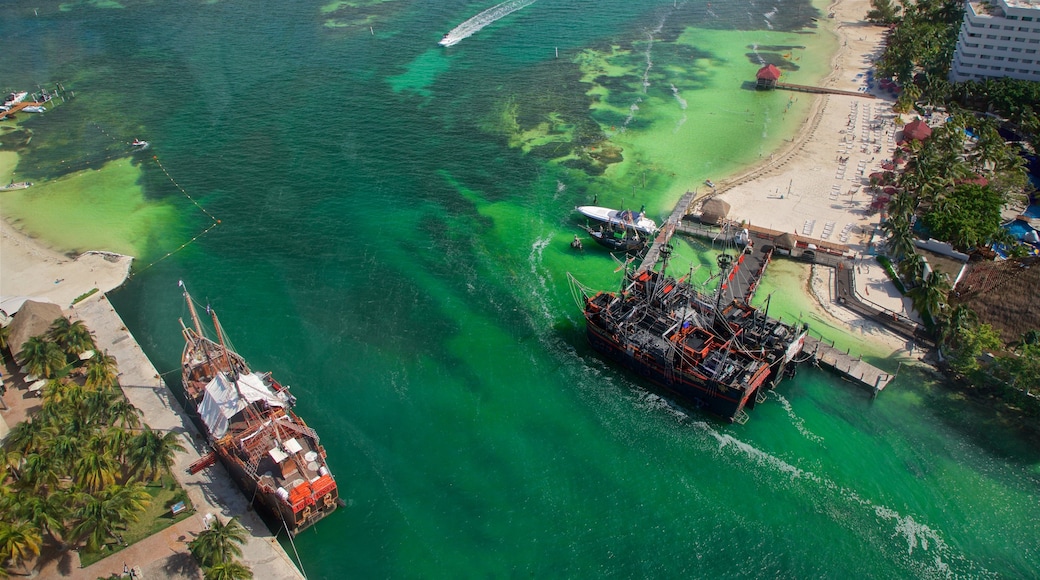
824, 253
18, 107
211, 490
850, 367
682, 207
823, 90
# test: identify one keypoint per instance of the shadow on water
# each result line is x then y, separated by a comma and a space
985, 421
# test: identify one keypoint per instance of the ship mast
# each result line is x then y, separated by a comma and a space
191, 308
724, 261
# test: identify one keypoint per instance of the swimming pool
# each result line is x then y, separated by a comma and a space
1018, 228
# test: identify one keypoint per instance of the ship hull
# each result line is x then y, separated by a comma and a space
719, 357
687, 389
269, 452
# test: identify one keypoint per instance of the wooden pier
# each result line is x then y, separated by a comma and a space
850, 367
18, 107
823, 90
664, 235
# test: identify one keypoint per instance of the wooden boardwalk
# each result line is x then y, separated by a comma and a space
850, 367
18, 107
664, 235
823, 90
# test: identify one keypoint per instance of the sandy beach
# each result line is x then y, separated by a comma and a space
30, 269
816, 185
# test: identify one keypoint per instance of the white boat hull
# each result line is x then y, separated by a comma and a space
623, 218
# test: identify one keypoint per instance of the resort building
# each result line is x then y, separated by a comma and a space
999, 38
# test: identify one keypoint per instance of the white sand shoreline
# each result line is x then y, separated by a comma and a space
815, 185
28, 268
806, 166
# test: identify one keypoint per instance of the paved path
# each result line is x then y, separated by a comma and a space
211, 490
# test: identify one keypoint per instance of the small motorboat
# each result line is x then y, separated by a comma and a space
139, 143
709, 183
617, 238
623, 218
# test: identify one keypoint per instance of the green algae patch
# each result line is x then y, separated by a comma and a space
8, 161
91, 210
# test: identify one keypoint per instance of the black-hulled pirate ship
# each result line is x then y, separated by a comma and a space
702, 350
270, 452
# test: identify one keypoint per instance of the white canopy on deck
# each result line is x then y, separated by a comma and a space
222, 402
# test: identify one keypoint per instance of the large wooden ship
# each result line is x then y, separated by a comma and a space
722, 356
270, 452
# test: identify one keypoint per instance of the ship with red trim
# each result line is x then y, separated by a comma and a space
271, 453
723, 356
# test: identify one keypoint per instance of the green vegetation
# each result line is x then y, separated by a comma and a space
74, 474
956, 185
85, 295
890, 270
884, 12
216, 549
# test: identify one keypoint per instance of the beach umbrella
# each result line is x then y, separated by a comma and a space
888, 165
889, 190
714, 211
917, 130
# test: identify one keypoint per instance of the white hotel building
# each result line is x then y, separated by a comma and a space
999, 38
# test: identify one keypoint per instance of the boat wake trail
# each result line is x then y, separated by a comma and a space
473, 25
796, 420
924, 552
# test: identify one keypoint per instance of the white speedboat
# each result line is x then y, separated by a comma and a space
15, 98
139, 143
624, 218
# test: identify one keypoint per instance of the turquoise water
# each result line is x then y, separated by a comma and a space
395, 220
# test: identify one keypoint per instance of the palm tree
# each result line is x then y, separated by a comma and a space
46, 514
151, 453
234, 570
65, 449
73, 337
930, 297
110, 509
5, 331
124, 414
101, 369
19, 541
42, 358
62, 391
912, 268
900, 239
95, 469
29, 435
219, 543
38, 471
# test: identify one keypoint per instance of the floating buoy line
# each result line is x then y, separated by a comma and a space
216, 222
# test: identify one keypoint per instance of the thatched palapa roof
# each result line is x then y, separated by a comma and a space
714, 211
785, 241
33, 319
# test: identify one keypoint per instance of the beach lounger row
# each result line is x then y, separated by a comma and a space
828, 228
844, 235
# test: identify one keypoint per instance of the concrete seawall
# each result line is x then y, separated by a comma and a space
211, 490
